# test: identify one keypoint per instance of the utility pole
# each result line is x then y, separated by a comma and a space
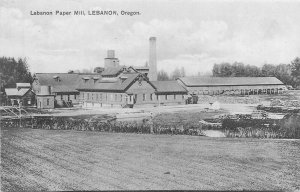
158, 100
20, 113
151, 123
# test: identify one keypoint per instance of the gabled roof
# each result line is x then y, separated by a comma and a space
141, 67
129, 81
105, 85
112, 71
228, 81
65, 82
27, 85
16, 92
168, 87
119, 86
115, 71
114, 86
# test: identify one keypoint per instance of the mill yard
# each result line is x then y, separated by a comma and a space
157, 95
55, 160
35, 160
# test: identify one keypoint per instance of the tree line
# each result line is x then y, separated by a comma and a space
13, 71
289, 74
164, 76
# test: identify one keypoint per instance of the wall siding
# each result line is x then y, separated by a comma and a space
103, 98
65, 97
142, 93
234, 89
42, 102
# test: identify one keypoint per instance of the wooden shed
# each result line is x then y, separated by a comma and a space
23, 96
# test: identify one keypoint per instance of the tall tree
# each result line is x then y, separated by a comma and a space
268, 70
216, 70
176, 74
98, 69
182, 72
162, 76
12, 72
295, 65
283, 72
226, 70
238, 69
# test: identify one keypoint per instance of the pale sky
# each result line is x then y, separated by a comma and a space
190, 33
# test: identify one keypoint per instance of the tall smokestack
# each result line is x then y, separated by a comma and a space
152, 60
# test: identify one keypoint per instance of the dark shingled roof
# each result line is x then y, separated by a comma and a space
117, 86
141, 67
24, 85
72, 82
16, 92
112, 71
115, 71
168, 87
68, 82
228, 81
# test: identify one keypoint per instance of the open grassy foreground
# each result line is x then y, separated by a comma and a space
73, 160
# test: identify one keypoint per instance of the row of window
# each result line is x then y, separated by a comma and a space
114, 97
62, 97
100, 96
205, 92
157, 97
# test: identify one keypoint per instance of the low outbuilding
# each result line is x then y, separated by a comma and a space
20, 96
130, 89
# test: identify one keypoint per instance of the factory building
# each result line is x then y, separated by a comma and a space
130, 89
122, 86
65, 87
231, 85
62, 85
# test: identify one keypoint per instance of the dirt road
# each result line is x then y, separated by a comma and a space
123, 113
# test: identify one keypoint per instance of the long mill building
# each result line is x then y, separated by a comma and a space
120, 86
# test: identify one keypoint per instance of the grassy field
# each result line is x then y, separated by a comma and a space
73, 160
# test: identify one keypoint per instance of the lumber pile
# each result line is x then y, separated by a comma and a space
287, 103
228, 99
